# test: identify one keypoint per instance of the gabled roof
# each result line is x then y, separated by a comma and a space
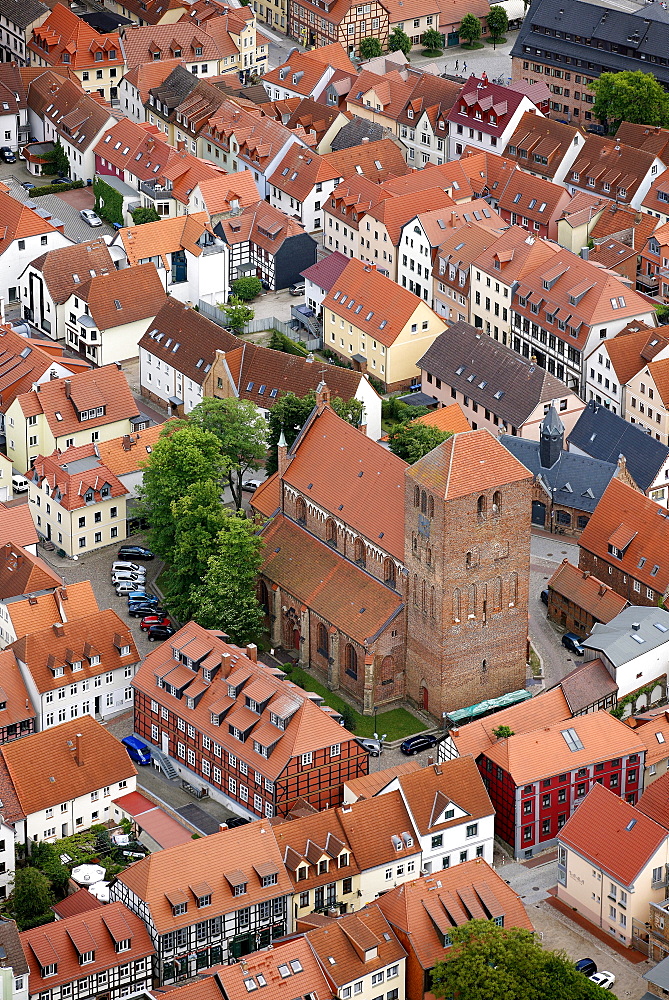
345, 947
146, 76
611, 165
612, 835
477, 737
587, 684
652, 139
13, 97
18, 221
185, 339
60, 400
632, 349
14, 698
141, 43
23, 362
633, 632
372, 784
534, 198
63, 33
502, 381
66, 268
326, 271
219, 193
540, 138
355, 132
655, 735
455, 781
17, 525
491, 100
517, 253
128, 453
262, 968
530, 756
587, 592
602, 434
394, 832
74, 475
75, 115
395, 212
365, 471
447, 418
23, 573
43, 767
22, 12
263, 224
164, 237
427, 908
654, 802
574, 480
127, 296
36, 612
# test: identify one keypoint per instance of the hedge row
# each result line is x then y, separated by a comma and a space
54, 188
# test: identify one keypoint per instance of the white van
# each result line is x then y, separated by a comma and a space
20, 484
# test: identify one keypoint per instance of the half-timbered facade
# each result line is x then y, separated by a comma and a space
256, 739
344, 21
209, 901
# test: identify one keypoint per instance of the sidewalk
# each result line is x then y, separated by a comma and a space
495, 62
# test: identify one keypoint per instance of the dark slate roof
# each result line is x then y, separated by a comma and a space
604, 435
587, 684
176, 87
496, 369
645, 28
256, 93
658, 975
355, 131
22, 12
576, 481
15, 958
104, 21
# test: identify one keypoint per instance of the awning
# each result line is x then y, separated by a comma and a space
515, 9
491, 705
175, 401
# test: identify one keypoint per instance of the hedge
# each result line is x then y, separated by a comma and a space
54, 188
108, 202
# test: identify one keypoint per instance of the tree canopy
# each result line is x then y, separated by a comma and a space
246, 288
399, 41
183, 455
432, 40
497, 21
32, 896
242, 432
630, 96
290, 413
411, 440
238, 314
487, 962
470, 28
370, 48
144, 214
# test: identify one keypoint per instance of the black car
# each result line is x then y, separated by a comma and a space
544, 597
62, 180
236, 821
156, 633
423, 741
144, 609
572, 642
134, 552
586, 966
7, 154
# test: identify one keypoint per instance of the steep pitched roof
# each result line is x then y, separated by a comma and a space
365, 471
140, 43
612, 835
19, 222
186, 339
23, 362
22, 13
23, 573
65, 34
476, 737
345, 946
604, 435
36, 612
655, 735
128, 453
427, 791
540, 138
587, 592
654, 802
466, 463
122, 297
75, 474
219, 193
447, 418
267, 969
263, 224
611, 165
60, 400
17, 525
164, 237
16, 706
587, 684
630, 351
503, 382
43, 767
326, 271
66, 268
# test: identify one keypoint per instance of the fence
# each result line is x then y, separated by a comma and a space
260, 325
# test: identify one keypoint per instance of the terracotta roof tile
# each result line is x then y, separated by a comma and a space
535, 198
659, 372
612, 834
17, 525
477, 737
13, 694
540, 753
80, 901
618, 220
372, 784
458, 779
586, 591
654, 802
43, 769
128, 453
454, 893
395, 212
450, 419
22, 573
611, 165
654, 734
140, 43
186, 339
73, 473
267, 497
67, 939
332, 587
255, 223
325, 272
467, 462
63, 33
164, 237
542, 137
650, 544
19, 222
218, 193
36, 612
147, 75
275, 986
630, 351
309, 472
60, 266
334, 944
123, 297
387, 815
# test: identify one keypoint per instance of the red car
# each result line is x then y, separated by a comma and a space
150, 620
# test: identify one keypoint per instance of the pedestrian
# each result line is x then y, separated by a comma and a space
457, 64
464, 67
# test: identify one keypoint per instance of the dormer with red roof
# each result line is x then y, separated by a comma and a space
485, 116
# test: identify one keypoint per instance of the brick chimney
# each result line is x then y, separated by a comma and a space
252, 652
78, 751
68, 388
58, 629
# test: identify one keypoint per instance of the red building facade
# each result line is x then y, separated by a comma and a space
535, 785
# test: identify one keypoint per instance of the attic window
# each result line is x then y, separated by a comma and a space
639, 639
296, 965
660, 628
659, 737
59, 415
654, 570
250, 985
499, 394
75, 279
572, 739
107, 137
250, 386
261, 390
460, 370
482, 385
117, 303
284, 971
383, 324
274, 393
378, 164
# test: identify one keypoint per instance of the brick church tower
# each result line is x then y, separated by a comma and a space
467, 556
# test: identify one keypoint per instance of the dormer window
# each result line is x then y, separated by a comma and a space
124, 945
409, 113
49, 970
125, 650
58, 671
177, 910
77, 665
93, 660
86, 958
268, 880
240, 890
204, 900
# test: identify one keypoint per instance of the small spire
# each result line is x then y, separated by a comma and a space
282, 443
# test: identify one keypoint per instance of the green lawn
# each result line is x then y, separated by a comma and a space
396, 723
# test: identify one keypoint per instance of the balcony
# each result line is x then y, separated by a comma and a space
647, 283
157, 192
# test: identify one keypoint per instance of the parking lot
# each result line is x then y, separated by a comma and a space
65, 206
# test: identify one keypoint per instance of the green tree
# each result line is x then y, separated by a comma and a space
59, 161
630, 96
487, 962
498, 23
289, 413
470, 28
348, 717
225, 598
370, 48
432, 40
410, 441
182, 456
662, 313
32, 895
145, 214
246, 288
45, 857
238, 313
399, 42
242, 433
502, 732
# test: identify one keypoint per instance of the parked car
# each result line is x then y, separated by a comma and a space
145, 608
127, 574
19, 484
134, 552
415, 744
586, 966
572, 642
89, 216
7, 154
373, 747
297, 289
251, 485
137, 751
140, 595
150, 620
235, 821
28, 185
603, 979
544, 597
133, 567
61, 180
124, 588
157, 633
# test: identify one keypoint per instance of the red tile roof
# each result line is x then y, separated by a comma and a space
587, 592
612, 835
20, 222
310, 979
326, 271
611, 166
341, 945
80, 901
70, 485
17, 525
13, 693
654, 733
60, 266
39, 611
631, 349
467, 462
63, 34
654, 802
43, 767
127, 296
23, 573
429, 790
489, 99
326, 440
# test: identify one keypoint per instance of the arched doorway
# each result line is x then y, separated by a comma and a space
296, 638
424, 697
538, 513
